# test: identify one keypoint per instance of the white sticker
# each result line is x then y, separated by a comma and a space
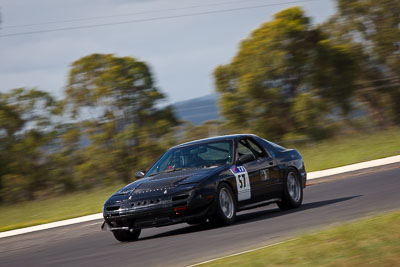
264, 175
242, 182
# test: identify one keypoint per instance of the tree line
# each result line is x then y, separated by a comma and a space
289, 79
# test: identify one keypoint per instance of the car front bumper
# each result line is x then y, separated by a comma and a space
156, 212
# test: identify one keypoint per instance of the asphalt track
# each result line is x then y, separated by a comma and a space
327, 202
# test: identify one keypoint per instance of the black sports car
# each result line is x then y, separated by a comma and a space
209, 179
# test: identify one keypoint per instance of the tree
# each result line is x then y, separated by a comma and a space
372, 28
207, 129
121, 87
125, 127
281, 64
25, 129
378, 25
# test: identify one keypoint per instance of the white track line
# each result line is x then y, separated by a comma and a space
353, 167
243, 252
51, 225
310, 176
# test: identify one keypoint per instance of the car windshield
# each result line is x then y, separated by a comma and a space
202, 155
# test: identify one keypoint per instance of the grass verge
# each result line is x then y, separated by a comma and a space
368, 242
54, 209
317, 156
346, 150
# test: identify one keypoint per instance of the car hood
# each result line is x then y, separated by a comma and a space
169, 180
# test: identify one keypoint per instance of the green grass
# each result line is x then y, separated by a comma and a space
54, 209
368, 242
350, 149
317, 156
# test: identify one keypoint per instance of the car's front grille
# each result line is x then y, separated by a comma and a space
181, 197
112, 208
143, 203
161, 190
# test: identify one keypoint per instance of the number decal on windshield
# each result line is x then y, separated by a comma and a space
242, 182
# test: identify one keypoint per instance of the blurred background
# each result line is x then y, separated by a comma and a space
93, 92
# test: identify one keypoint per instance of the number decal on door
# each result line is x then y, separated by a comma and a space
242, 182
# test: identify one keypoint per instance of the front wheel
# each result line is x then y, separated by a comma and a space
125, 236
225, 212
292, 191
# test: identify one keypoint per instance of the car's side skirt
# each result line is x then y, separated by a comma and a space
259, 204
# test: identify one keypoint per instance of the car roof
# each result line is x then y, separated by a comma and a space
215, 138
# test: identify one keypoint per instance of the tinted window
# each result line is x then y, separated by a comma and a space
200, 155
277, 147
251, 148
256, 148
243, 150
270, 147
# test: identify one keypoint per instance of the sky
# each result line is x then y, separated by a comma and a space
182, 40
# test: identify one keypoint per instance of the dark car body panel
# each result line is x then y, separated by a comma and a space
179, 196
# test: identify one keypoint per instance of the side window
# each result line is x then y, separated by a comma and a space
248, 146
243, 149
256, 148
268, 146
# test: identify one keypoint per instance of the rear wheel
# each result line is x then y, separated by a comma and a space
125, 236
225, 212
292, 191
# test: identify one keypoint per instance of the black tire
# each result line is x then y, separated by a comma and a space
225, 213
292, 191
125, 236
197, 221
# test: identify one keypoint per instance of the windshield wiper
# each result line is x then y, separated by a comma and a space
210, 166
174, 169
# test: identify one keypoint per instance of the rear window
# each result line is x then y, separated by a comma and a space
271, 147
276, 146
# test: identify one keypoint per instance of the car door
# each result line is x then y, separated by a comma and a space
252, 169
269, 185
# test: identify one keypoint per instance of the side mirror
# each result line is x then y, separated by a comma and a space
140, 174
245, 158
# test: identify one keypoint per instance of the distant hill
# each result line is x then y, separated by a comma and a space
198, 110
